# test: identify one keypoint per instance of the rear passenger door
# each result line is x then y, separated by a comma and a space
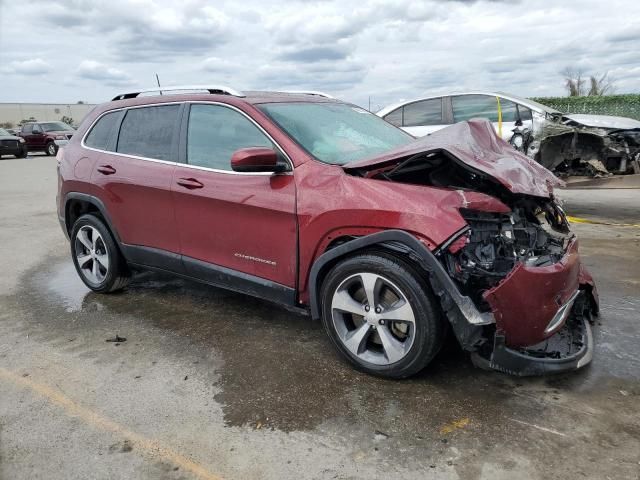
501, 112
240, 221
136, 151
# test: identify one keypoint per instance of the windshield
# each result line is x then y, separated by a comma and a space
336, 133
4, 133
55, 126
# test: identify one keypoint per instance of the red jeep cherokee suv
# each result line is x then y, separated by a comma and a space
319, 205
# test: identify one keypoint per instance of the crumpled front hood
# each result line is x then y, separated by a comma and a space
476, 144
604, 121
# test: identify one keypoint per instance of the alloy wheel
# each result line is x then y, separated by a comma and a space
373, 318
91, 254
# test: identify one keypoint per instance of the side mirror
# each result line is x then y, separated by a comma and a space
518, 122
256, 159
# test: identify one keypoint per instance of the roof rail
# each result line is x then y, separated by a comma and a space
308, 92
213, 89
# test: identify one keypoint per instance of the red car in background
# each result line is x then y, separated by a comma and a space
46, 137
320, 205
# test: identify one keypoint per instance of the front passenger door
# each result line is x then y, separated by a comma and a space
36, 138
245, 222
466, 107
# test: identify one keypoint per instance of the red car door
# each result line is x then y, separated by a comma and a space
243, 222
33, 136
135, 180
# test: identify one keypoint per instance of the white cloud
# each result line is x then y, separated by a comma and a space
386, 49
92, 70
35, 66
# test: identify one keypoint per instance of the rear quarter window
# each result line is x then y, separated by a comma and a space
395, 117
102, 134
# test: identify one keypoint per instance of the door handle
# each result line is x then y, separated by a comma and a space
106, 169
190, 183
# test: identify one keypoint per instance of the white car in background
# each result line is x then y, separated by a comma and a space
571, 144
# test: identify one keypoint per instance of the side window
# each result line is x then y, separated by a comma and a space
466, 107
149, 131
525, 113
509, 110
216, 132
425, 112
102, 132
27, 128
395, 117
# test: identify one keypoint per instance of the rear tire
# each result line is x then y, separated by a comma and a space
96, 256
400, 333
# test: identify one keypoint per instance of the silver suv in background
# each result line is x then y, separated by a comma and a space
568, 144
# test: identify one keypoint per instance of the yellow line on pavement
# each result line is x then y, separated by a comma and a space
149, 447
596, 222
452, 426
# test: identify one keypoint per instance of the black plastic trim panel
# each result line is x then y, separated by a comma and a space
96, 202
209, 273
426, 259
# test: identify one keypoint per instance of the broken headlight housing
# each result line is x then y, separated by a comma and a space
495, 243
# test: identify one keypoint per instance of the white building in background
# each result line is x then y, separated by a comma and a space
13, 113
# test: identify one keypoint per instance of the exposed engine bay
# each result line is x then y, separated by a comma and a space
535, 235
535, 232
509, 276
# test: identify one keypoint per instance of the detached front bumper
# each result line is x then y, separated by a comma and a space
532, 303
570, 348
542, 319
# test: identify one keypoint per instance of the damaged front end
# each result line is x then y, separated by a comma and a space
523, 266
569, 147
514, 259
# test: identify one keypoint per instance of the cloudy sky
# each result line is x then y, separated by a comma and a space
389, 50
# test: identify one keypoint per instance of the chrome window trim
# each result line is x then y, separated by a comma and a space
195, 167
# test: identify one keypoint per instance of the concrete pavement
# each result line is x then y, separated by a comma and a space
211, 384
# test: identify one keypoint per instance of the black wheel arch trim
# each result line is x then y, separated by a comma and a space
466, 319
96, 202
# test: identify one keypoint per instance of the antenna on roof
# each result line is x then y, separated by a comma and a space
158, 80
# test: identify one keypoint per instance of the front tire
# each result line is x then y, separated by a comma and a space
22, 154
51, 149
381, 315
96, 256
